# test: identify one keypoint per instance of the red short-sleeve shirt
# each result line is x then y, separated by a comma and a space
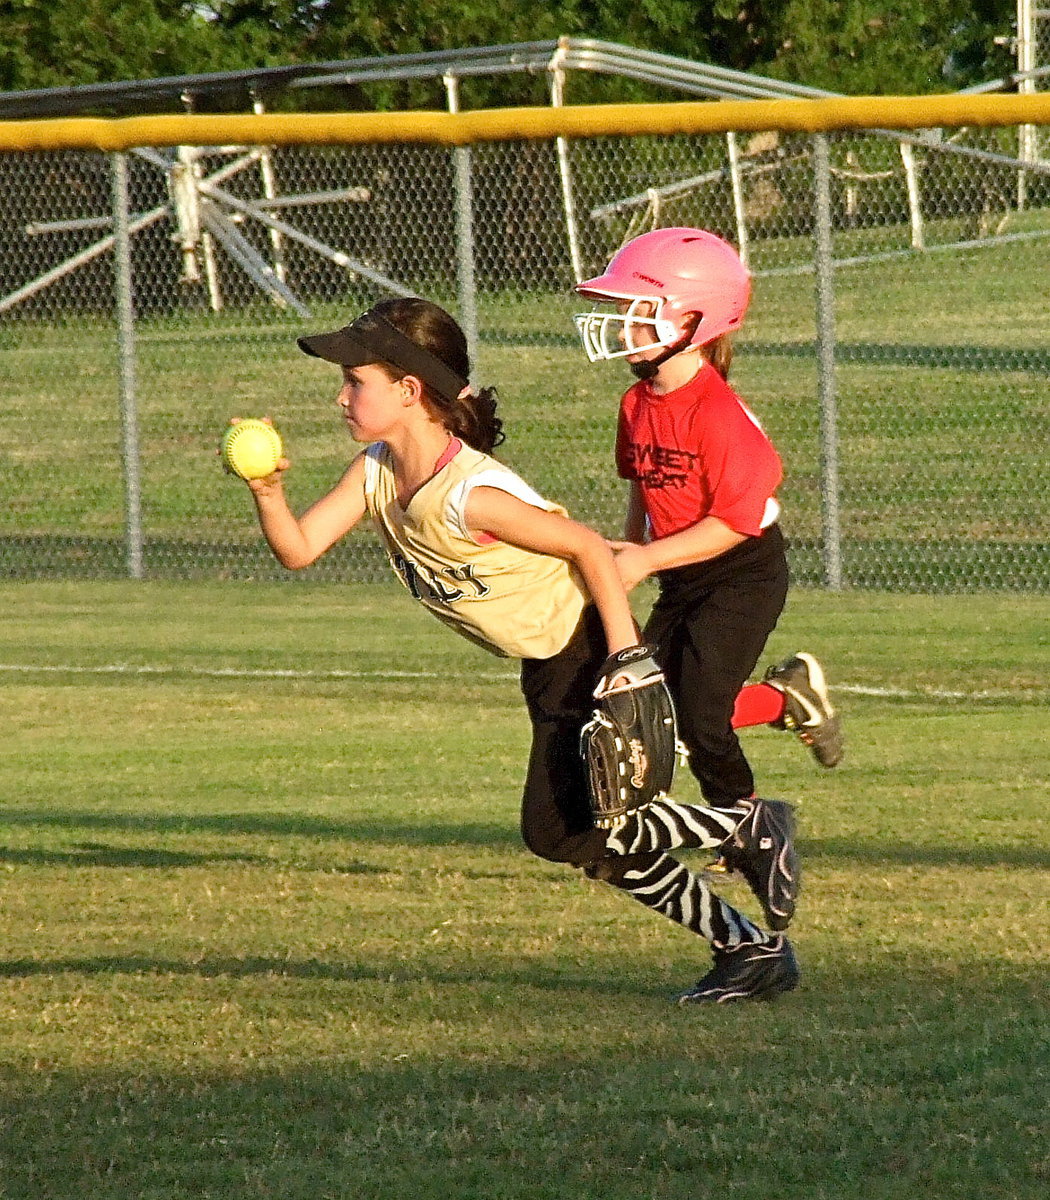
697, 452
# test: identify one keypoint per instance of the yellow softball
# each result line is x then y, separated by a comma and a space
251, 448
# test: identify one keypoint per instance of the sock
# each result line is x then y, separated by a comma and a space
670, 888
665, 825
757, 704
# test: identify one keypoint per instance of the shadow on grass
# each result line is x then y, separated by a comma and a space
393, 972
93, 854
878, 1084
890, 854
606, 980
276, 824
96, 855
502, 837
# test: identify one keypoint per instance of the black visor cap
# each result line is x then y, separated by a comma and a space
371, 339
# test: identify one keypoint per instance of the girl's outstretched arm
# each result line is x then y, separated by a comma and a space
297, 542
493, 511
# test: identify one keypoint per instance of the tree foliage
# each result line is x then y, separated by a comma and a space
62, 43
851, 46
868, 47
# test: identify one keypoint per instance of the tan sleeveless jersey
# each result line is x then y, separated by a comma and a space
513, 602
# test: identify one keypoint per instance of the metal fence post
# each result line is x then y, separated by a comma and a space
465, 279
739, 206
825, 300
126, 360
557, 86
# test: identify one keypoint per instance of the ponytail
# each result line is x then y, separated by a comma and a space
719, 353
472, 418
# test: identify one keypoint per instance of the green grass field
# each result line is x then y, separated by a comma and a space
269, 930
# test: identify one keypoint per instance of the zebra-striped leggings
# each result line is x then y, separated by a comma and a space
556, 822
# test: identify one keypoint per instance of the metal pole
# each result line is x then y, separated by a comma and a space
78, 260
739, 206
1025, 63
186, 197
270, 192
466, 283
126, 358
565, 169
911, 177
825, 299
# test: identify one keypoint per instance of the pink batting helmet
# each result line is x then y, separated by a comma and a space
677, 271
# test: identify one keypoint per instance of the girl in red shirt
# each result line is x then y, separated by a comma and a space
702, 515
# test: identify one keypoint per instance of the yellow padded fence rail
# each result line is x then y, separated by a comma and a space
516, 124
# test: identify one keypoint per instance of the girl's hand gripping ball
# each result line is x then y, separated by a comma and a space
251, 448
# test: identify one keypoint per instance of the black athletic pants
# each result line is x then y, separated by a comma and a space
709, 626
555, 815
559, 694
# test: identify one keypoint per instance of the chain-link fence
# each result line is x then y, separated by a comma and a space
897, 348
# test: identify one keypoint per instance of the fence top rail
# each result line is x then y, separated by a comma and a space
518, 124
564, 53
569, 54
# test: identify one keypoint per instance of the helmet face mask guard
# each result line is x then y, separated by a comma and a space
684, 287
613, 334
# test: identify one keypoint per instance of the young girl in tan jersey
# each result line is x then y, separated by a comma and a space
511, 572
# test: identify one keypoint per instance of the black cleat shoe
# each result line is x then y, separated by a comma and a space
807, 708
747, 972
763, 850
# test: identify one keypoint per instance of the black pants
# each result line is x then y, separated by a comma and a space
709, 626
555, 813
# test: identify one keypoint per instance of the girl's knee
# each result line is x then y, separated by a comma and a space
605, 870
575, 849
547, 849
614, 867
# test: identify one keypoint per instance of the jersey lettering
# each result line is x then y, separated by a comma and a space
466, 574
662, 480
427, 585
659, 466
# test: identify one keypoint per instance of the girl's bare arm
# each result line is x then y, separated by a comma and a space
297, 542
491, 510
